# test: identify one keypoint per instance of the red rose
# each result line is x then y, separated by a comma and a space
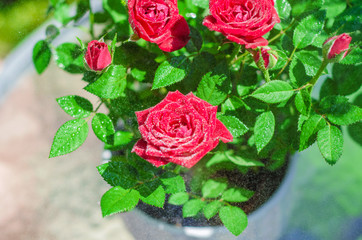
270, 58
243, 21
180, 129
159, 21
337, 45
98, 56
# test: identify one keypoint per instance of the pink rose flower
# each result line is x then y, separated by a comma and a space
243, 21
337, 45
180, 129
159, 21
98, 56
269, 56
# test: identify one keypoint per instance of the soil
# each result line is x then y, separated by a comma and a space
264, 183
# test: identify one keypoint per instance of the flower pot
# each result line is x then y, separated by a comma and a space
266, 222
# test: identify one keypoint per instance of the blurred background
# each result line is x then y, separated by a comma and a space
58, 198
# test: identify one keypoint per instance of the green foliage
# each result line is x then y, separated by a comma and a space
234, 219
274, 92
330, 143
264, 129
192, 208
308, 29
339, 111
237, 195
103, 128
170, 72
41, 56
215, 85
76, 106
234, 125
270, 113
118, 200
213, 188
111, 84
178, 198
70, 136
69, 57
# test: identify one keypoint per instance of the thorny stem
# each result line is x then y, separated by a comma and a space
282, 32
319, 73
285, 66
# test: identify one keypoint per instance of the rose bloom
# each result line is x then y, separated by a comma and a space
337, 45
159, 21
98, 56
242, 21
180, 129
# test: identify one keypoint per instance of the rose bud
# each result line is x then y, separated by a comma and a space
336, 48
180, 129
159, 21
269, 56
98, 56
243, 22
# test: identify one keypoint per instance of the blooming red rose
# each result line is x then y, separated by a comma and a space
242, 21
269, 56
159, 21
98, 56
180, 129
337, 45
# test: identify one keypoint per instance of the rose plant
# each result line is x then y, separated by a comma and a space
185, 101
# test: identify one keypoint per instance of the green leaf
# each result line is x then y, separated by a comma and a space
211, 209
300, 7
347, 78
355, 132
110, 84
309, 130
310, 60
195, 42
103, 128
51, 32
69, 57
244, 162
139, 75
170, 72
178, 198
237, 195
201, 3
192, 207
349, 20
41, 56
274, 92
116, 10
308, 29
303, 102
234, 125
70, 136
264, 129
76, 106
172, 182
297, 73
119, 139
339, 111
215, 85
354, 57
283, 8
118, 200
231, 104
330, 143
118, 173
334, 7
213, 188
61, 12
82, 8
234, 219
152, 193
